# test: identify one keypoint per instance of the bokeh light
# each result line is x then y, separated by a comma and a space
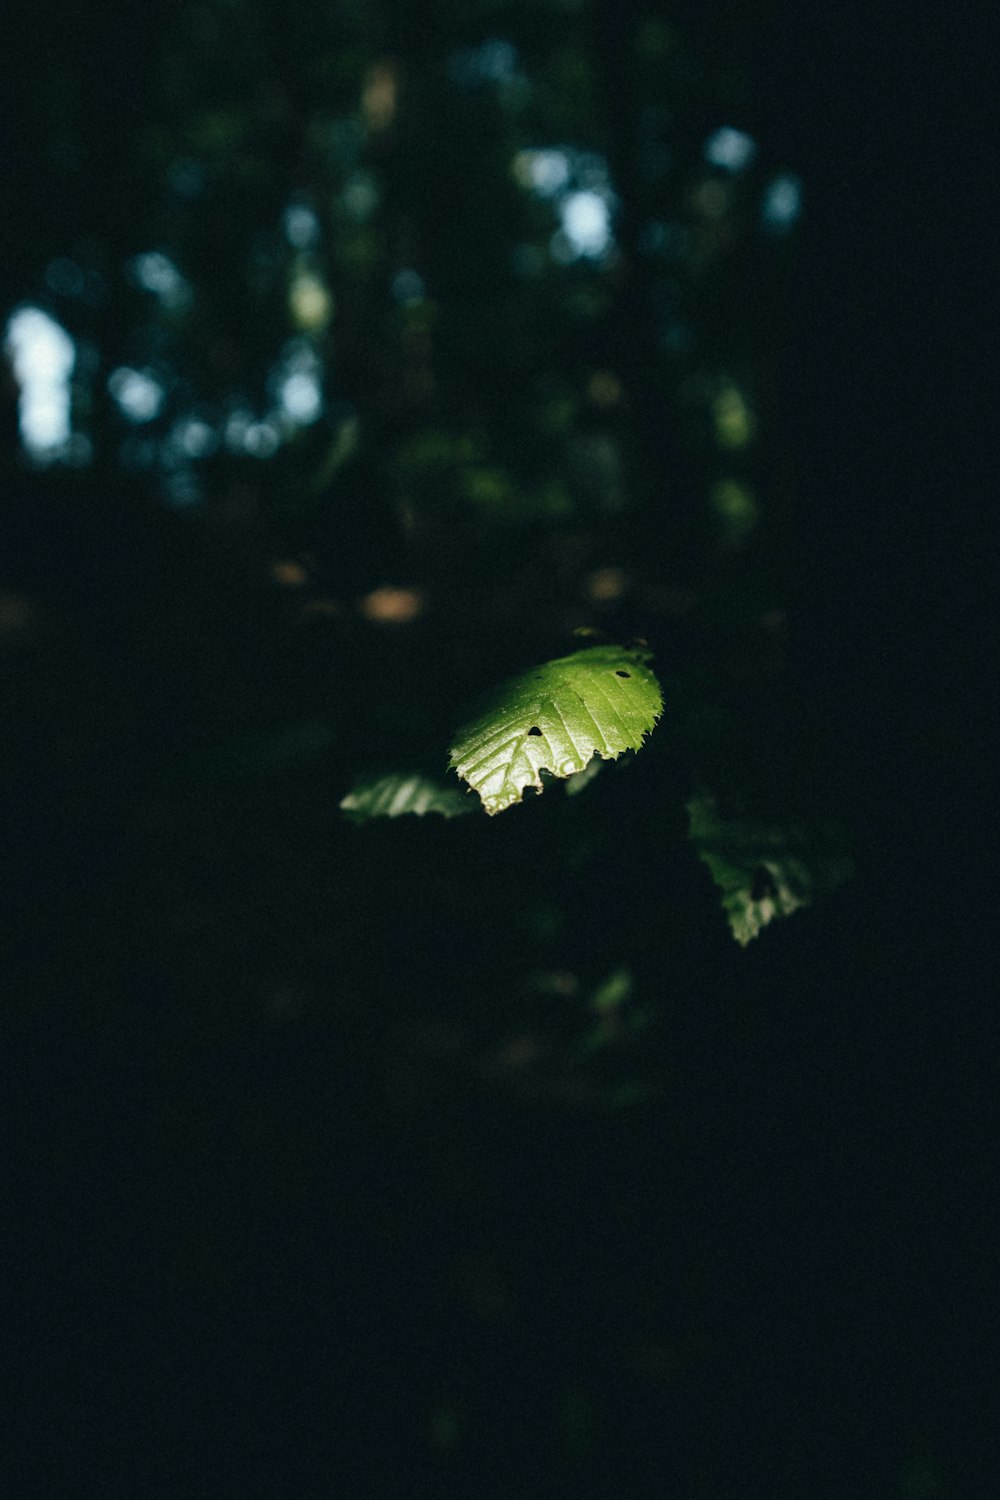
782, 203
731, 149
43, 357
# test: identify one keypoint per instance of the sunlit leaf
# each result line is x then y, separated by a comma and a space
764, 871
396, 793
602, 702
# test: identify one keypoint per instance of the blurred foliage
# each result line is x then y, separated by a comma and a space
764, 872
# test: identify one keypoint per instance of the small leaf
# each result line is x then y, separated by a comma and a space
396, 793
613, 992
602, 701
761, 871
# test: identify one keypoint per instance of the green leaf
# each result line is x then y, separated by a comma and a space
602, 701
765, 871
612, 993
396, 793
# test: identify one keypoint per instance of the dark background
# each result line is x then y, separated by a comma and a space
324, 1177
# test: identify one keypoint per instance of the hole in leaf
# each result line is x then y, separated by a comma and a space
534, 729
620, 673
